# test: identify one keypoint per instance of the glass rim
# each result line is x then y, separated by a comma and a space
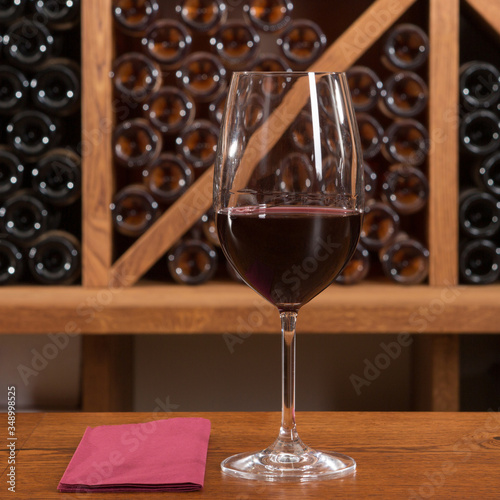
290, 73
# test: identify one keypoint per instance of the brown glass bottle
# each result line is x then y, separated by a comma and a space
406, 47
56, 87
487, 174
270, 62
209, 228
202, 15
405, 95
11, 10
216, 108
479, 214
405, 260
371, 134
269, 15
406, 141
168, 178
480, 132
357, 268
236, 43
197, 144
56, 177
136, 144
380, 225
170, 110
167, 42
371, 179
365, 87
134, 16
202, 75
405, 188
302, 42
133, 210
58, 14
135, 77
479, 84
192, 262
55, 258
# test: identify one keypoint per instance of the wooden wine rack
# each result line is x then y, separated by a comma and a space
111, 304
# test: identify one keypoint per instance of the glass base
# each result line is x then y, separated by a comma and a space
268, 465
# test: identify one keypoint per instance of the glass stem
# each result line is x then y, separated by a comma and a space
288, 432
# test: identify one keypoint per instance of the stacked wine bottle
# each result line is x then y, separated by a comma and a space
479, 203
173, 64
391, 114
40, 177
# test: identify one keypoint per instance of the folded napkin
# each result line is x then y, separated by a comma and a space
161, 455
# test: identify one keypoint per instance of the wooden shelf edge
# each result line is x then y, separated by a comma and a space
221, 308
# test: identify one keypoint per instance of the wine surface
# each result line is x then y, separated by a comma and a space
288, 254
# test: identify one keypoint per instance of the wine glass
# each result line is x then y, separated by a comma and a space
288, 199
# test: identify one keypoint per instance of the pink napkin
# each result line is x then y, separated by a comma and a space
161, 455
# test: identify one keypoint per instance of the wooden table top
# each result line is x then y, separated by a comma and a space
399, 455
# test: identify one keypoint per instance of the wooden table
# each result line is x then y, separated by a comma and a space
399, 455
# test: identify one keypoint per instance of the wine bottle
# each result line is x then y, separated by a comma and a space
58, 14
406, 141
301, 130
32, 133
13, 90
357, 268
302, 42
216, 108
202, 75
371, 134
270, 62
167, 42
269, 15
11, 262
209, 228
28, 43
479, 213
479, 262
168, 177
405, 95
136, 143
134, 16
56, 87
133, 210
170, 110
479, 84
370, 178
236, 43
56, 177
11, 10
203, 16
55, 258
380, 225
365, 87
405, 260
487, 174
11, 172
480, 132
192, 262
405, 188
406, 47
135, 77
198, 143
23, 217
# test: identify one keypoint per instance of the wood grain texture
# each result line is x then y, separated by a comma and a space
436, 373
230, 307
97, 123
107, 372
489, 10
399, 455
444, 20
191, 206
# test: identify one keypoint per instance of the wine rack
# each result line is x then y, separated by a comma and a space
112, 301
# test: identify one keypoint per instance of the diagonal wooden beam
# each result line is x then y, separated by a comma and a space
351, 45
489, 10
